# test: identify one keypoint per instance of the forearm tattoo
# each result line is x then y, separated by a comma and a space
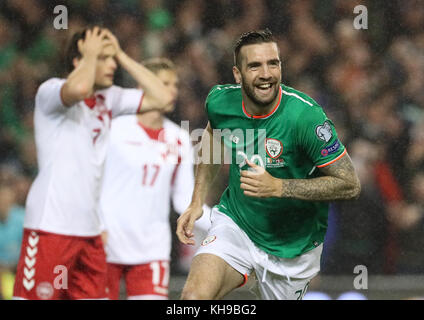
339, 183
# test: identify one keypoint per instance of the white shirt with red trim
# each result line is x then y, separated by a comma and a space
145, 169
71, 149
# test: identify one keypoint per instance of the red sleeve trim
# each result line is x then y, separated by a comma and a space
332, 161
141, 102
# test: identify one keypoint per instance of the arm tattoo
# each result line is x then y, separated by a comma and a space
339, 183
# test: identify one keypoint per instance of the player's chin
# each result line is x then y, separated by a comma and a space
106, 82
265, 97
265, 100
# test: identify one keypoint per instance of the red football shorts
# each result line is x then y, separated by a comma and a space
144, 281
53, 266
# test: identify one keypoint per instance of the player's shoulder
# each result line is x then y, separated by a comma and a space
298, 97
50, 84
227, 92
304, 111
300, 105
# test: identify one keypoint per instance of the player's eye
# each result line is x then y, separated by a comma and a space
253, 66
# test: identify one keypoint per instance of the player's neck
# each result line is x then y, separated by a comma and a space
255, 110
151, 119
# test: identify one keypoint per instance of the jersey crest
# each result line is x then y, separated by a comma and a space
274, 148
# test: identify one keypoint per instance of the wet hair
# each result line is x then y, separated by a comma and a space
251, 37
157, 64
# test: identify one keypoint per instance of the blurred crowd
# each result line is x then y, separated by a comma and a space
370, 82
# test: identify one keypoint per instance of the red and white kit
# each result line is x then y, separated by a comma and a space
145, 169
62, 225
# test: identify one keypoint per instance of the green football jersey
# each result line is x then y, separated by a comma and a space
290, 142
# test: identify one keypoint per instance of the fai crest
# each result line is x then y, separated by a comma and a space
208, 240
273, 147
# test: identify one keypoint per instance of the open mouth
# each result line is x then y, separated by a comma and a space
264, 88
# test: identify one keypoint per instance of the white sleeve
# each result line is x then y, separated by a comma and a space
183, 186
102, 226
48, 98
126, 101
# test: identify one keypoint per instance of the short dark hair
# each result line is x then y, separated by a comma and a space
251, 37
72, 50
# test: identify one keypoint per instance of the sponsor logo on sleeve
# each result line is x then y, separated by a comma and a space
331, 149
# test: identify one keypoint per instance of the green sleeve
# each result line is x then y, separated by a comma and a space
209, 105
317, 137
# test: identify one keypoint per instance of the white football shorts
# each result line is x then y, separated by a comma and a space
277, 278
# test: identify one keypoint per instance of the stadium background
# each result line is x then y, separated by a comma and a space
370, 83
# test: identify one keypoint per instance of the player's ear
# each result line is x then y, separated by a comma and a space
236, 74
75, 62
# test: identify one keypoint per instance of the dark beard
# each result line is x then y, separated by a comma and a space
251, 94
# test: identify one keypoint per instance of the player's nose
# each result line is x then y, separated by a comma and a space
265, 73
112, 64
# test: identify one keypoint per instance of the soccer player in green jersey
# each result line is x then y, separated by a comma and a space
287, 164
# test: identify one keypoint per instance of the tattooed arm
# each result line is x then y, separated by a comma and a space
339, 183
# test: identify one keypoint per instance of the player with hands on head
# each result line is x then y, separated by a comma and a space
72, 119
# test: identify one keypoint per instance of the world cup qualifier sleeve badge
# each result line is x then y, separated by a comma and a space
274, 150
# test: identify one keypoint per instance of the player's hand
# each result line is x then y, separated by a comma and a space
257, 182
114, 41
104, 236
185, 224
93, 43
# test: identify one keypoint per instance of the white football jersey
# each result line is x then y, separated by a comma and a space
71, 148
144, 170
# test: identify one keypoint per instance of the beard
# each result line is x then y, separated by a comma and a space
249, 89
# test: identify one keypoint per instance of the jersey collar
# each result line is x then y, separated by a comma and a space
154, 134
265, 115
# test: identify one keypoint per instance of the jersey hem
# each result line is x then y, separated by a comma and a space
266, 250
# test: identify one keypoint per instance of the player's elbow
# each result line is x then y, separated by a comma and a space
82, 91
354, 189
163, 102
